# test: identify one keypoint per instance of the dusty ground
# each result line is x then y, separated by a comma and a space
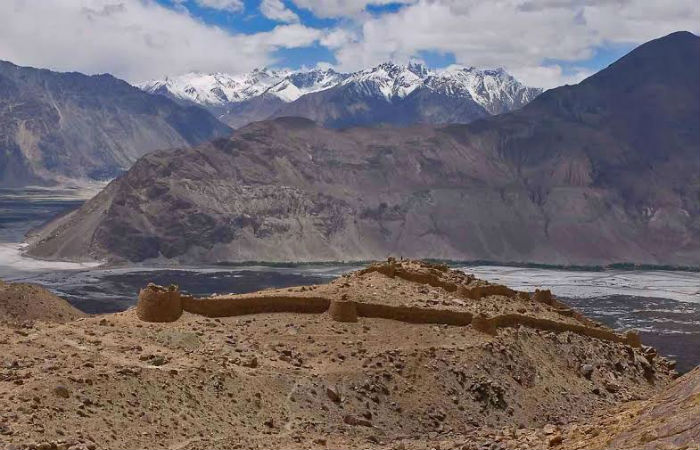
21, 302
289, 380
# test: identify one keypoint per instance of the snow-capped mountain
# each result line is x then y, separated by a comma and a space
387, 93
495, 90
407, 94
389, 80
216, 89
301, 83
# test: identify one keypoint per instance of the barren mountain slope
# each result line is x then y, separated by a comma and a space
57, 126
304, 380
601, 172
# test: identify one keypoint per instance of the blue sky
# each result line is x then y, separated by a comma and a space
543, 43
250, 20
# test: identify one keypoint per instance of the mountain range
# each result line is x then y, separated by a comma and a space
386, 94
64, 126
600, 172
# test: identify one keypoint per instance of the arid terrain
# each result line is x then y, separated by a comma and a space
596, 173
399, 355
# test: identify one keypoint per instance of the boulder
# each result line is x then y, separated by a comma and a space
587, 370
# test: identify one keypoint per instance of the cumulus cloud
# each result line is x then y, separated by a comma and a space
521, 36
338, 38
132, 39
542, 42
343, 8
276, 10
550, 75
223, 5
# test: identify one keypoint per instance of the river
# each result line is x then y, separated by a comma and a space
663, 305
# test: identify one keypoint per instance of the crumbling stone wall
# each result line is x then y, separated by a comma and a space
412, 314
343, 311
157, 304
227, 307
347, 311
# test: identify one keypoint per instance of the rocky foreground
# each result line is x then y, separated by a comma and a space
325, 377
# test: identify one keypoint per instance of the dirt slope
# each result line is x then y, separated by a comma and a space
296, 380
21, 302
670, 419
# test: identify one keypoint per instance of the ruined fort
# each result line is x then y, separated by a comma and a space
463, 301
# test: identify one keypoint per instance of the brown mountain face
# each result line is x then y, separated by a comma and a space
55, 126
601, 172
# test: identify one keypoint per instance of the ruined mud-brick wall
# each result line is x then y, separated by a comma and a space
227, 307
167, 304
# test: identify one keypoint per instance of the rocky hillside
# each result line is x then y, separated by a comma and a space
668, 420
386, 94
601, 172
305, 380
56, 126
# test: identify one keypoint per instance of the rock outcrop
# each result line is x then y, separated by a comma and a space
668, 420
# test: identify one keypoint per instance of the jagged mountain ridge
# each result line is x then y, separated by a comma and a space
217, 89
453, 95
601, 172
61, 126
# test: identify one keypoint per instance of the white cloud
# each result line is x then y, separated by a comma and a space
521, 35
276, 10
539, 41
132, 39
549, 76
223, 5
342, 8
338, 38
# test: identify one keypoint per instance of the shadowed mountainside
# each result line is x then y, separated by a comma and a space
601, 172
56, 126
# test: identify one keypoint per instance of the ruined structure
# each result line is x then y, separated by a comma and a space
463, 301
402, 354
159, 304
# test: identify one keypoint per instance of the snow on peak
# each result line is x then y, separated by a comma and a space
389, 79
213, 89
216, 88
301, 83
495, 90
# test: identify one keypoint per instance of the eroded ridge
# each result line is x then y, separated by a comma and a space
407, 291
